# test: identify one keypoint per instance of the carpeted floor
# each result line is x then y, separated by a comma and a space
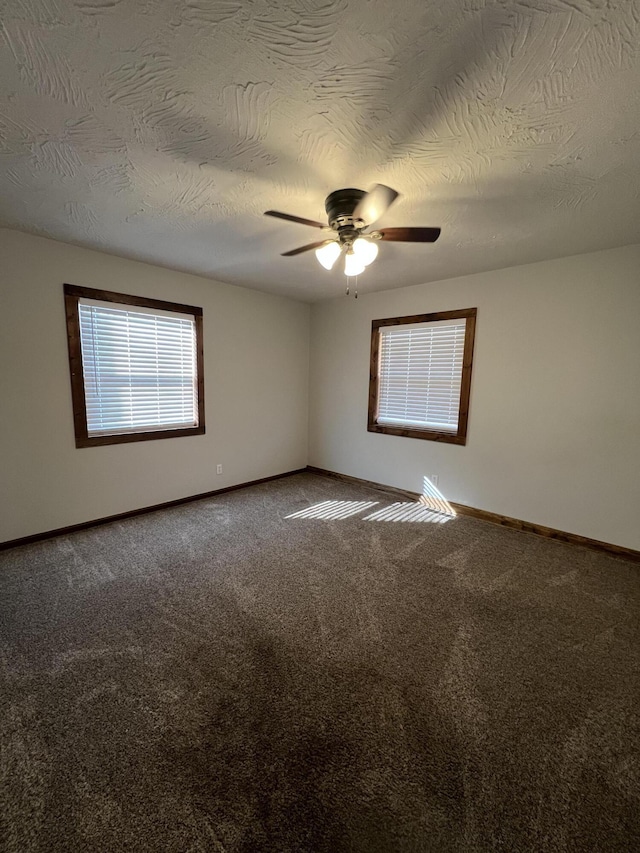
219, 677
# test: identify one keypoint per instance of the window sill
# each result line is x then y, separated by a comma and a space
122, 438
424, 434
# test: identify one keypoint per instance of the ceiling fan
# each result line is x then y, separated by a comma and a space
351, 212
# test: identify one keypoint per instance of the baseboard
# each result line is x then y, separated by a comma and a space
84, 525
494, 518
461, 509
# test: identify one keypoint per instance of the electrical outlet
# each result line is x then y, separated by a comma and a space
218, 469
434, 479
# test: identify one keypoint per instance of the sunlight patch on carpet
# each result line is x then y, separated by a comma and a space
333, 510
409, 512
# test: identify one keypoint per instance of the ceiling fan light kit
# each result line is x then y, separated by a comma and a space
352, 264
328, 254
366, 250
350, 213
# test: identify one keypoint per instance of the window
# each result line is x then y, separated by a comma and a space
136, 367
420, 378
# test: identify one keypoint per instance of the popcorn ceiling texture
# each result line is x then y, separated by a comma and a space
162, 131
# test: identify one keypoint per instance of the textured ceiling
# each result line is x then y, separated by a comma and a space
161, 131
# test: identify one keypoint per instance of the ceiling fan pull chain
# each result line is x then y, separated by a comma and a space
355, 293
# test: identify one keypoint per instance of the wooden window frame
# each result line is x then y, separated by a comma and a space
72, 295
459, 437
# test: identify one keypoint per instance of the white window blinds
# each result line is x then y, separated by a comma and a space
420, 375
139, 367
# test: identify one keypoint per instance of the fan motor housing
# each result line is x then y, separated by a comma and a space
340, 205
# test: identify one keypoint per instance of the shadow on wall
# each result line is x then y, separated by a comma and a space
431, 506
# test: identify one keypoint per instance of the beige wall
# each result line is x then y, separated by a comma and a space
256, 378
554, 427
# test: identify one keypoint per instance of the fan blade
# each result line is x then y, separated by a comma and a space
375, 203
410, 235
291, 218
306, 248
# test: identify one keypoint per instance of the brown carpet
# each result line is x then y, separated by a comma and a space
219, 677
